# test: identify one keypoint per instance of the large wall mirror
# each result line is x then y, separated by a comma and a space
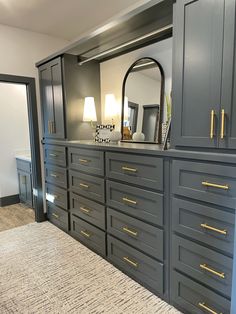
143, 101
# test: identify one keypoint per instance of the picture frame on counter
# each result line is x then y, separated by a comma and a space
103, 132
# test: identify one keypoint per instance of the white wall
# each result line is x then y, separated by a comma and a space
114, 70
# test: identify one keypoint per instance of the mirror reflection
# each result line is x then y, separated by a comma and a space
143, 88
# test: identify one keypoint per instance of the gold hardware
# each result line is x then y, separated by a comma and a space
84, 185
53, 127
86, 234
49, 127
212, 124
126, 259
84, 160
207, 268
205, 307
213, 185
53, 175
55, 215
126, 229
205, 226
52, 155
129, 169
125, 199
86, 210
222, 131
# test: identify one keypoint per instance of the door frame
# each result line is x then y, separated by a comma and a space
34, 139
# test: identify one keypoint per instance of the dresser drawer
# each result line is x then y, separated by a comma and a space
23, 165
207, 224
56, 195
55, 155
58, 216
205, 265
141, 170
141, 267
211, 183
140, 203
192, 297
89, 235
56, 175
89, 161
88, 186
139, 234
88, 210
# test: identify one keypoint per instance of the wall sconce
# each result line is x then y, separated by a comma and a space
89, 111
110, 107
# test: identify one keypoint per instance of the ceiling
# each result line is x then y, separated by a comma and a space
66, 19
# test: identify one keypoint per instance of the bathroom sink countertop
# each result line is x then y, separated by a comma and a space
25, 157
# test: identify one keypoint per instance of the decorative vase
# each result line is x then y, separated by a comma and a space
115, 136
138, 137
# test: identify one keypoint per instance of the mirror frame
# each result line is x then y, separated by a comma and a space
159, 128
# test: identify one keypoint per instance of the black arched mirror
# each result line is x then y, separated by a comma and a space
143, 101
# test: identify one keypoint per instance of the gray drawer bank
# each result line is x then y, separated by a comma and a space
179, 222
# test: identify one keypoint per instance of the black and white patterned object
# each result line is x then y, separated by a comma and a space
103, 133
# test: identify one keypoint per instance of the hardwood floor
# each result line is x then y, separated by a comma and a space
15, 215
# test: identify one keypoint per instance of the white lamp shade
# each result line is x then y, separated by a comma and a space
110, 107
89, 109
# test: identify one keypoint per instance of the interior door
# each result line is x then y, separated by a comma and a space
197, 59
150, 118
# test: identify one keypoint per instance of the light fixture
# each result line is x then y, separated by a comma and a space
110, 107
89, 110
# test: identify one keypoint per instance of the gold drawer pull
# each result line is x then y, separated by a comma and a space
222, 131
207, 308
213, 185
86, 210
86, 234
55, 215
84, 160
206, 226
126, 259
125, 199
52, 155
84, 185
53, 175
127, 230
129, 169
210, 270
212, 129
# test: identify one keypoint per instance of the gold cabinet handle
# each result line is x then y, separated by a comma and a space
85, 233
84, 185
55, 215
53, 127
49, 127
214, 185
127, 230
210, 270
84, 161
127, 200
129, 261
129, 169
222, 131
85, 210
52, 155
53, 175
212, 129
207, 308
206, 226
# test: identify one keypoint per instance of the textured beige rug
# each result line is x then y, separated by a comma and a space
44, 270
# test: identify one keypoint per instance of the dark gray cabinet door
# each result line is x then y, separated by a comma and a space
25, 188
197, 59
50, 77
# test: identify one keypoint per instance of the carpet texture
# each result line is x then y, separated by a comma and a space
44, 270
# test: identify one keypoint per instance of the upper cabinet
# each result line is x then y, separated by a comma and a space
50, 77
203, 72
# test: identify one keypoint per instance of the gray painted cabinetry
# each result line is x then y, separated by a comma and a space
24, 173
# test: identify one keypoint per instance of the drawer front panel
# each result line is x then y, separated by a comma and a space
141, 170
86, 160
89, 235
207, 182
205, 265
23, 165
88, 210
55, 155
203, 223
194, 298
141, 235
57, 196
140, 203
143, 268
56, 175
88, 186
58, 216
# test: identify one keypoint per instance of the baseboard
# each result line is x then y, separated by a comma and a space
9, 200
